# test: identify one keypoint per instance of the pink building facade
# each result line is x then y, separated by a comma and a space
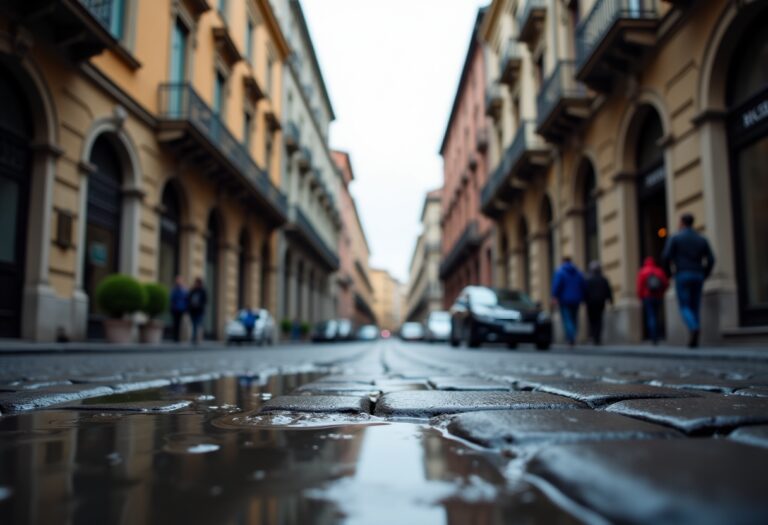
467, 241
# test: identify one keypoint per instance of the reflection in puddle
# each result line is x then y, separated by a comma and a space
217, 461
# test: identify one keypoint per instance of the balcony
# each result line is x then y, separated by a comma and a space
80, 28
523, 159
291, 137
304, 160
196, 134
613, 39
530, 21
225, 45
493, 100
302, 229
563, 103
468, 242
511, 64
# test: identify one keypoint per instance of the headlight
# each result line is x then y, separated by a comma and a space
543, 317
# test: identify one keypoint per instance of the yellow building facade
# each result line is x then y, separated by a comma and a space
609, 119
140, 137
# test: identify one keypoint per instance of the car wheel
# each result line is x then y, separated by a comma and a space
543, 345
511, 345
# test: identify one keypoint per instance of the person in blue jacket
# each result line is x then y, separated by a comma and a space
178, 306
568, 294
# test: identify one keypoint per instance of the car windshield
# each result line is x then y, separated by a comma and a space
503, 298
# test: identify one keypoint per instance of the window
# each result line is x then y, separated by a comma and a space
218, 93
223, 8
117, 19
247, 123
268, 82
268, 150
249, 40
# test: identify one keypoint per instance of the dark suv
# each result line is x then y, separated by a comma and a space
491, 315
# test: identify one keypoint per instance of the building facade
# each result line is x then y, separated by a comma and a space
611, 120
467, 239
308, 252
144, 138
355, 289
387, 299
424, 291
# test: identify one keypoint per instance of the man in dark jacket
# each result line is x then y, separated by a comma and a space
197, 301
568, 293
597, 293
689, 258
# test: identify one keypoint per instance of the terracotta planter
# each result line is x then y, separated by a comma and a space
118, 330
151, 332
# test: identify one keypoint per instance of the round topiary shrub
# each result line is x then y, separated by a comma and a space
286, 325
120, 294
157, 299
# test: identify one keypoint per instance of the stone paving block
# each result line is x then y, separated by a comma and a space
468, 383
532, 382
708, 383
45, 397
701, 481
336, 387
319, 404
752, 435
755, 391
598, 393
15, 386
430, 403
532, 427
352, 378
697, 414
133, 406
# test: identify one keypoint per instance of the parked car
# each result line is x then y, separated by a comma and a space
483, 314
264, 330
368, 332
344, 330
325, 331
412, 332
438, 326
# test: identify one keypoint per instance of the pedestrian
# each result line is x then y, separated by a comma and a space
689, 258
568, 293
652, 282
178, 306
597, 293
197, 301
247, 318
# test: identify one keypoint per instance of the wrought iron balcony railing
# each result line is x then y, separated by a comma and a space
530, 18
525, 140
560, 85
603, 16
180, 103
511, 62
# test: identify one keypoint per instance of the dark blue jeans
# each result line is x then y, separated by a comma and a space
197, 321
651, 306
570, 315
688, 286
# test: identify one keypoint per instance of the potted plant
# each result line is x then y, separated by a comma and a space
285, 326
305, 329
117, 296
156, 303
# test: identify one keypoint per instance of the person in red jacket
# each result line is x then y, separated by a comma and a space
652, 282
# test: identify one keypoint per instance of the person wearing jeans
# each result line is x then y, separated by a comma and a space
652, 282
692, 259
568, 293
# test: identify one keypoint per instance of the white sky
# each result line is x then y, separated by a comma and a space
391, 68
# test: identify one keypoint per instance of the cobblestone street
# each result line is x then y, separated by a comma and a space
336, 433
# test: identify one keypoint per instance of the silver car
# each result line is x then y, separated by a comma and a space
438, 326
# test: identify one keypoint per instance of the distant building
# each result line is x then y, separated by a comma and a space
355, 289
468, 240
387, 292
610, 120
424, 291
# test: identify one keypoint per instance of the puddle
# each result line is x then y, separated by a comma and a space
214, 459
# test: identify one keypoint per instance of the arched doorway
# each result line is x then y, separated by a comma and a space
15, 139
587, 189
525, 255
213, 237
243, 279
547, 219
651, 184
747, 102
103, 221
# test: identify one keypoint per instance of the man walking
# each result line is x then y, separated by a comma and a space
197, 299
690, 258
568, 293
597, 293
652, 282
178, 306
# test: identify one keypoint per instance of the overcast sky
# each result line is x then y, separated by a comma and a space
391, 68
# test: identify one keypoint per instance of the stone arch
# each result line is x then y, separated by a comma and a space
629, 127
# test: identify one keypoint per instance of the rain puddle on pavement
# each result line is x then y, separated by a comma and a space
200, 453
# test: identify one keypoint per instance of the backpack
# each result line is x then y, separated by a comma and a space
195, 300
654, 284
